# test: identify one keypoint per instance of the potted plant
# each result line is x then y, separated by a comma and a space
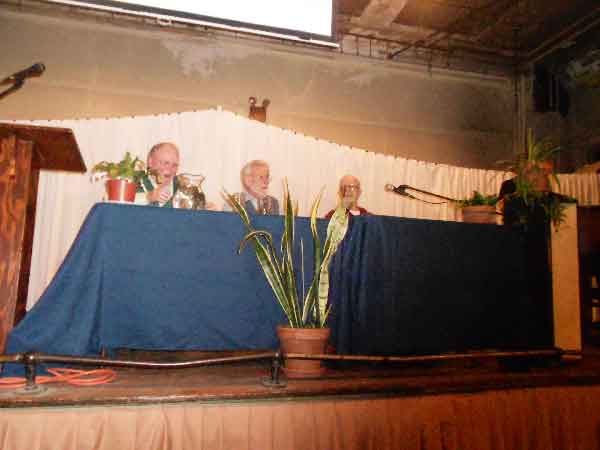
527, 198
121, 177
479, 208
306, 331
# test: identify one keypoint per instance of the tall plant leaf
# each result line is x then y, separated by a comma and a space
287, 254
312, 296
268, 260
336, 230
310, 310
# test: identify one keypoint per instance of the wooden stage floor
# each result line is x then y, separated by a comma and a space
243, 381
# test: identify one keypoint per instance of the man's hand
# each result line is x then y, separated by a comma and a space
161, 194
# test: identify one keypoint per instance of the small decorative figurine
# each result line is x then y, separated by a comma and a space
258, 112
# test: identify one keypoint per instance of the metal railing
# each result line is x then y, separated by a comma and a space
31, 361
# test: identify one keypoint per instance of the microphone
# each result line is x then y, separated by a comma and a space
34, 71
401, 190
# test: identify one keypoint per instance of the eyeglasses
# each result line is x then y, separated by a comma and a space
349, 188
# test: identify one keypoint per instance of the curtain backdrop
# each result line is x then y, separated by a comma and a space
217, 144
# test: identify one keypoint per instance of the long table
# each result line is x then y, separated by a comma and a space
162, 279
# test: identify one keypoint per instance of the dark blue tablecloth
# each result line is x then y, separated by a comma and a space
406, 286
151, 278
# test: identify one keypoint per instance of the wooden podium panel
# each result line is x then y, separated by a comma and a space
54, 148
565, 282
24, 150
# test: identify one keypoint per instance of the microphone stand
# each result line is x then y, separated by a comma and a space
17, 84
403, 187
18, 79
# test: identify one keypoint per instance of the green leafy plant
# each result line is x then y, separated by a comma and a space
309, 310
539, 206
129, 168
528, 201
526, 165
543, 150
478, 199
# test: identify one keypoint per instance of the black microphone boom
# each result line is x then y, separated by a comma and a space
401, 190
34, 71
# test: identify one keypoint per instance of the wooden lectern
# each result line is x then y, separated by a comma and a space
24, 151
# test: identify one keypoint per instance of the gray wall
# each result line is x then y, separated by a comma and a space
100, 69
578, 132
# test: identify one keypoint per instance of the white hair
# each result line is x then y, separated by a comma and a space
250, 166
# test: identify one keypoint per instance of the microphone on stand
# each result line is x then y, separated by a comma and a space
18, 77
401, 190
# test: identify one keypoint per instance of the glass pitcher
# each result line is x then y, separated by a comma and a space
189, 193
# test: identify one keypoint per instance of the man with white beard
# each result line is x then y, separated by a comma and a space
349, 193
255, 178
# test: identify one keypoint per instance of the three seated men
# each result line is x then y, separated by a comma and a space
160, 186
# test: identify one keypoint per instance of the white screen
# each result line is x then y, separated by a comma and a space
305, 17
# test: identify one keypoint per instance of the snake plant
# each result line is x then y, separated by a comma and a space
302, 311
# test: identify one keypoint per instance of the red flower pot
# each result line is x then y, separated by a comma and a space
120, 190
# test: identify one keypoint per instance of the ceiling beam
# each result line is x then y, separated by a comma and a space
568, 33
352, 43
474, 15
394, 29
492, 24
381, 13
403, 35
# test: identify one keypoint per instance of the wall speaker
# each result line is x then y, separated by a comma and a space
549, 93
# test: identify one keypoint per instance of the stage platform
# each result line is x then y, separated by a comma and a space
243, 381
481, 404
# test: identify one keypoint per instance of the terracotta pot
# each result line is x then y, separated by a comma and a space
303, 340
479, 214
538, 174
120, 190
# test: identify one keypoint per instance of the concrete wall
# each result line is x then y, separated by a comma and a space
578, 132
98, 68
585, 122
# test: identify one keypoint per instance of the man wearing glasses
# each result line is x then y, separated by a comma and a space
162, 185
255, 197
159, 187
349, 193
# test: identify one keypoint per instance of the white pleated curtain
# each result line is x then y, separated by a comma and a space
217, 144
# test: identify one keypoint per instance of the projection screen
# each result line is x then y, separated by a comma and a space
301, 20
